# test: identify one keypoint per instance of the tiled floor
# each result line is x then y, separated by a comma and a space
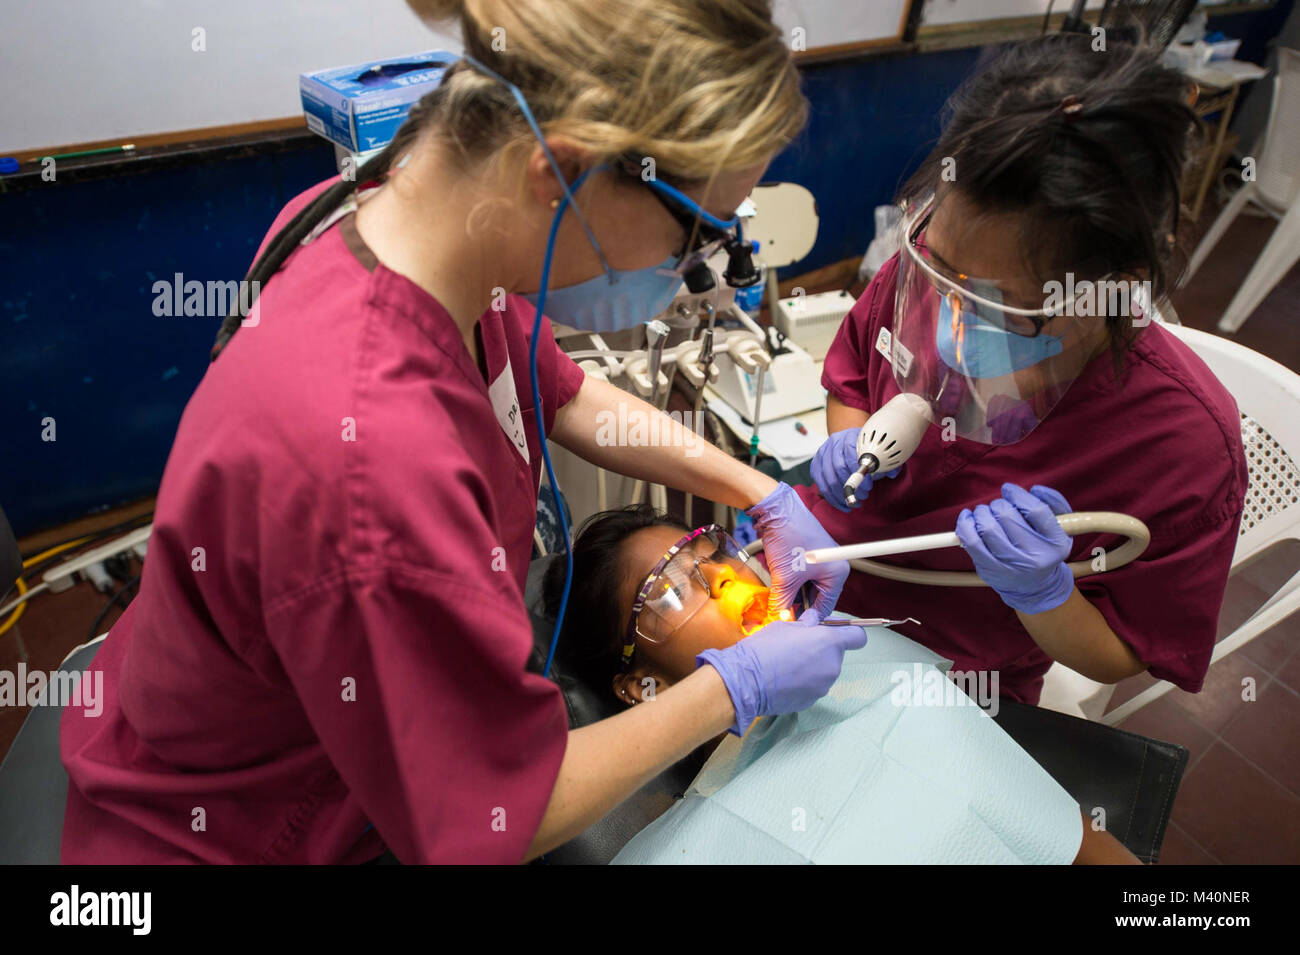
1240, 796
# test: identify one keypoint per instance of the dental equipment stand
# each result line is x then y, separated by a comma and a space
656, 334
698, 374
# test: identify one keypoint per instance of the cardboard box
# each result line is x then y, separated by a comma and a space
361, 107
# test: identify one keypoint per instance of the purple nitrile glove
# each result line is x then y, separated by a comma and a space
834, 461
1018, 547
783, 668
789, 530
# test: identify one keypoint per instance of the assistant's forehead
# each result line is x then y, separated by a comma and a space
981, 244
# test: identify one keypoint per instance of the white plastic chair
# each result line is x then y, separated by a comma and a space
1268, 398
1276, 190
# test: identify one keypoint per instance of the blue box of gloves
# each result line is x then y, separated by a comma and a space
361, 107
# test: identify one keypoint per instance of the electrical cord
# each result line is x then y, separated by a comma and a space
94, 627
38, 563
20, 608
129, 524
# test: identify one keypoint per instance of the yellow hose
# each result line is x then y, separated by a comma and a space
22, 587
19, 610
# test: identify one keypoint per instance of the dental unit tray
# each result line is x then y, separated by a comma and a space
791, 386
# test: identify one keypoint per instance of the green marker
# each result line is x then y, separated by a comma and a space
125, 148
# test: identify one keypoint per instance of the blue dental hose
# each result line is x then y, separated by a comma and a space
540, 420
519, 99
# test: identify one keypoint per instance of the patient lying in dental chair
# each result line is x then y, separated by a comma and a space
878, 771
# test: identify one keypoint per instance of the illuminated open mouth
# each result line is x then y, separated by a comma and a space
750, 605
755, 615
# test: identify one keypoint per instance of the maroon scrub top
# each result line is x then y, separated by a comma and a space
327, 655
1161, 441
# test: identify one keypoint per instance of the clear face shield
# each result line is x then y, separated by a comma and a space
706, 564
990, 367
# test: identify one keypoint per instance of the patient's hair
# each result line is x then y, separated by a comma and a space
592, 638
1097, 186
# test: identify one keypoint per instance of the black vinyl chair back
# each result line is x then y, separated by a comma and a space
11, 561
33, 783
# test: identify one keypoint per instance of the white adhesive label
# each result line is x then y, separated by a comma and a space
505, 404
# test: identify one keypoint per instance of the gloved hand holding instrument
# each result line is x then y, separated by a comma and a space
784, 667
1013, 546
1012, 542
1019, 548
789, 530
832, 466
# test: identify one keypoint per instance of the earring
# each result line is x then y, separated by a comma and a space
555, 203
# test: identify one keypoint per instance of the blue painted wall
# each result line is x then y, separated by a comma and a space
79, 342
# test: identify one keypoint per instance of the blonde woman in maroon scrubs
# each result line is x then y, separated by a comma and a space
327, 655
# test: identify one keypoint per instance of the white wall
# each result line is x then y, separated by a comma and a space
941, 12
832, 22
85, 70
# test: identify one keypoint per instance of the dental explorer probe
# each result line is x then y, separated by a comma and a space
866, 622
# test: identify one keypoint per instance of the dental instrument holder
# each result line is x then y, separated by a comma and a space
758, 416
656, 334
752, 358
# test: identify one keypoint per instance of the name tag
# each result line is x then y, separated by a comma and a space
505, 404
895, 352
882, 344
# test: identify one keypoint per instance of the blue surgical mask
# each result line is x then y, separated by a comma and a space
986, 350
613, 301
620, 298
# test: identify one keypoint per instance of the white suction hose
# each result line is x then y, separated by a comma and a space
1081, 522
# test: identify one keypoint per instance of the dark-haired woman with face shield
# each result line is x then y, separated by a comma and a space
1019, 313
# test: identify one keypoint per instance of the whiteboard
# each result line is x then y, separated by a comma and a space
837, 22
87, 70
946, 12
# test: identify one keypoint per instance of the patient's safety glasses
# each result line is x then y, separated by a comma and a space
705, 564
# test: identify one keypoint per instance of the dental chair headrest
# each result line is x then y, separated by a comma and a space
602, 841
585, 705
